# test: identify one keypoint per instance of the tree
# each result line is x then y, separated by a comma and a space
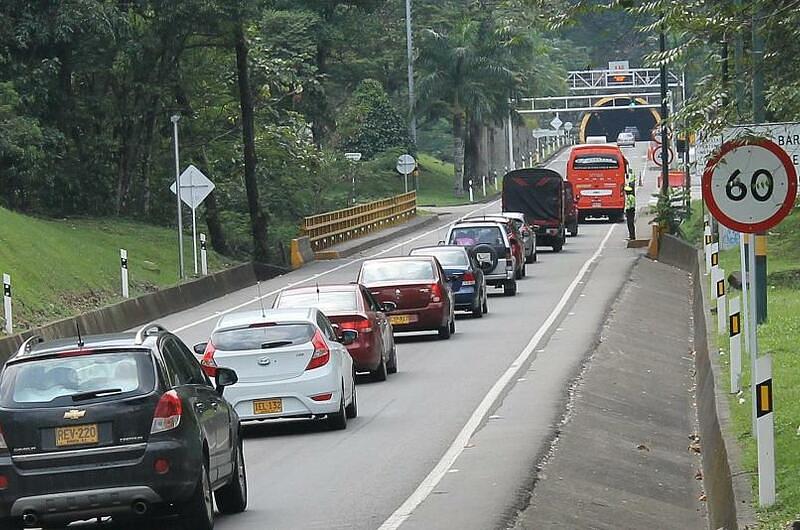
370, 124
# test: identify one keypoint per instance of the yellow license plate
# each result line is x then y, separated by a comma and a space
77, 435
267, 406
400, 319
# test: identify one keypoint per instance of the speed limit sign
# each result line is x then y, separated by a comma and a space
750, 185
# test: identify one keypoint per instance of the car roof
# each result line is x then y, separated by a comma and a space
90, 342
245, 318
597, 148
478, 224
441, 247
325, 288
515, 215
402, 258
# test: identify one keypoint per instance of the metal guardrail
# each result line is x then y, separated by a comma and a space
327, 229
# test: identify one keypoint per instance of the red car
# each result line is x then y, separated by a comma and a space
351, 306
418, 287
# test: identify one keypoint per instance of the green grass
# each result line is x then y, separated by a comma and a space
60, 268
436, 184
778, 337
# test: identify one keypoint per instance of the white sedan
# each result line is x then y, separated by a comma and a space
626, 139
291, 363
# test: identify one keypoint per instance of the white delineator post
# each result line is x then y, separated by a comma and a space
722, 306
471, 195
483, 182
744, 240
203, 255
123, 269
707, 240
765, 429
714, 260
9, 327
735, 334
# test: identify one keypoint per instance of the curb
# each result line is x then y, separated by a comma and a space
407, 228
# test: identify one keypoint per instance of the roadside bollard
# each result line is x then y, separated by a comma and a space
203, 255
735, 334
483, 181
718, 277
9, 327
123, 269
471, 198
707, 240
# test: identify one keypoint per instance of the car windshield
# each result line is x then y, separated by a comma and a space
392, 271
326, 301
64, 380
447, 257
468, 235
261, 336
595, 161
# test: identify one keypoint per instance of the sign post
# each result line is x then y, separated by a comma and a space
9, 327
123, 269
194, 188
750, 185
722, 308
707, 241
405, 165
203, 255
353, 158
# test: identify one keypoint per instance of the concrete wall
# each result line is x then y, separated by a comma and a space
136, 311
727, 488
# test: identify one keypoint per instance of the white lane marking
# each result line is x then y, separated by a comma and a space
457, 447
217, 314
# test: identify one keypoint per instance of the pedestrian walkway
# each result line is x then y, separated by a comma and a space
625, 457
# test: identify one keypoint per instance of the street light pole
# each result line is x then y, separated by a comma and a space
664, 114
410, 53
174, 119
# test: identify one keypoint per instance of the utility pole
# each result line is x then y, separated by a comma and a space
174, 119
738, 55
411, 100
758, 117
662, 45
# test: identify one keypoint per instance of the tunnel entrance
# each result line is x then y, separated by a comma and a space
610, 123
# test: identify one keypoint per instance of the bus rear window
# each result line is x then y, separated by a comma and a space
595, 162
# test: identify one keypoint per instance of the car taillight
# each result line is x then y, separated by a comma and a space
361, 325
3, 445
207, 362
508, 259
321, 355
168, 413
436, 293
161, 466
3, 482
322, 397
469, 278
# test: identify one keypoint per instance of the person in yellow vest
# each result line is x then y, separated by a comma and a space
630, 211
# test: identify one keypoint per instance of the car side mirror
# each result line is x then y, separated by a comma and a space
200, 348
225, 377
388, 307
348, 336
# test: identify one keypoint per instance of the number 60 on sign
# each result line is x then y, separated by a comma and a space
750, 185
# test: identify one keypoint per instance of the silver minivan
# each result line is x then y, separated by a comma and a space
490, 244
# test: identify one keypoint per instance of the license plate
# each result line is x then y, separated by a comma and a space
596, 204
400, 319
267, 406
77, 435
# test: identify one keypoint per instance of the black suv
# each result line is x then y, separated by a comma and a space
125, 425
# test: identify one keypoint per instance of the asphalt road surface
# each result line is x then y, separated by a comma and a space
451, 440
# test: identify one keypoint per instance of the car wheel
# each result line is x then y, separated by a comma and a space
198, 511
379, 374
510, 288
573, 230
351, 411
232, 498
558, 246
477, 309
524, 269
337, 421
452, 324
444, 332
391, 366
485, 306
535, 257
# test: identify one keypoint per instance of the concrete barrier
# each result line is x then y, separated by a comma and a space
727, 486
136, 311
301, 252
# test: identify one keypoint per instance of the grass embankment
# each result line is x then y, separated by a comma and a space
780, 337
60, 268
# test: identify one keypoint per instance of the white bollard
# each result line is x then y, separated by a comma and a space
735, 334
483, 181
707, 240
765, 431
471, 198
123, 269
714, 256
496, 183
722, 307
9, 327
203, 255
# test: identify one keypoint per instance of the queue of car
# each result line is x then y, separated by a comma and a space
134, 425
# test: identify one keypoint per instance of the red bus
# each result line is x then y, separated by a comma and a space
597, 174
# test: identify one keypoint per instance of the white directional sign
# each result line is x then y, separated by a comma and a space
543, 133
353, 157
568, 126
785, 135
195, 187
617, 66
750, 185
406, 164
556, 123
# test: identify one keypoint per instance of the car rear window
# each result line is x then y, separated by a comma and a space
595, 162
391, 271
62, 381
325, 301
447, 257
468, 236
262, 336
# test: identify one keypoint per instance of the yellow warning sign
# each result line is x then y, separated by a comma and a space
709, 239
720, 288
715, 259
764, 398
735, 324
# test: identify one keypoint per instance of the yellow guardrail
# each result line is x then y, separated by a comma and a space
327, 229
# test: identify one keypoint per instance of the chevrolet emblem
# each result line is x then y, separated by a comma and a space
74, 414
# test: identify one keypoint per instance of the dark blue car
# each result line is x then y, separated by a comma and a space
464, 276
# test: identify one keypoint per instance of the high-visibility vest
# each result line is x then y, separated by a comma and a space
630, 201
